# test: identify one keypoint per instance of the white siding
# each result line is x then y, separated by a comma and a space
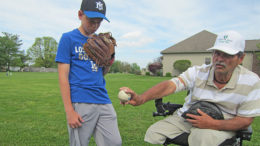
196, 59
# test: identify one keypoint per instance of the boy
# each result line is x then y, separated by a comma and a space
86, 102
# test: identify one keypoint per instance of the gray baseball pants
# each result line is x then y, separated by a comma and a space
100, 120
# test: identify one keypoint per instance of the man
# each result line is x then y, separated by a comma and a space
233, 88
88, 108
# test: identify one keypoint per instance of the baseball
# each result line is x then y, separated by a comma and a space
123, 96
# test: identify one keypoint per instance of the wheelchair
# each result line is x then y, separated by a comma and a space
165, 109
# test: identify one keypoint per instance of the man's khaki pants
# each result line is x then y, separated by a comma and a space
174, 125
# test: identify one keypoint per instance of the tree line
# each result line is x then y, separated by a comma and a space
42, 53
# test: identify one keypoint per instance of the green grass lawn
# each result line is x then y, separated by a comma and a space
32, 113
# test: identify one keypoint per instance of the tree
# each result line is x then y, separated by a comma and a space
9, 50
182, 65
116, 67
156, 66
135, 69
125, 67
158, 59
22, 59
43, 52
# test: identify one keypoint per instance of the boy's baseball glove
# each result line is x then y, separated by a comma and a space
207, 107
101, 49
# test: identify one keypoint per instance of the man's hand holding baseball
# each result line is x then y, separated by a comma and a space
135, 98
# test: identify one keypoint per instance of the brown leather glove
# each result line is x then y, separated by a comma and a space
101, 49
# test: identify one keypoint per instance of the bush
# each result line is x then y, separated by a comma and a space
168, 74
182, 65
159, 73
147, 73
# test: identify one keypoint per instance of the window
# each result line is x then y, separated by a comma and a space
207, 60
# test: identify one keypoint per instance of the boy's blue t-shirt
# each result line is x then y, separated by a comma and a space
87, 84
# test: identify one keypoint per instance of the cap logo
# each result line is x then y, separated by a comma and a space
225, 39
99, 6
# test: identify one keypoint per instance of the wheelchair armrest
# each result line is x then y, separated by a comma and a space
164, 109
245, 134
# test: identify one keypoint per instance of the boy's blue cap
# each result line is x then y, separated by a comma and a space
94, 9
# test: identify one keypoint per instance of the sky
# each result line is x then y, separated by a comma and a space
142, 28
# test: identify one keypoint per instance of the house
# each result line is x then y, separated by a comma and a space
195, 48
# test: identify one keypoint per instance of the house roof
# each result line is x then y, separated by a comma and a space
251, 45
200, 42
